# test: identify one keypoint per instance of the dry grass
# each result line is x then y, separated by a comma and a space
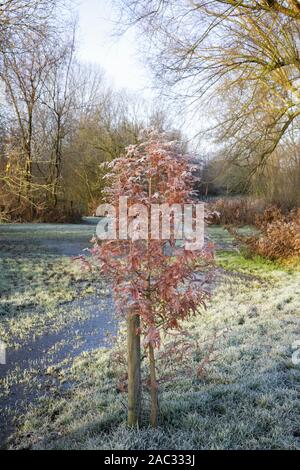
235, 211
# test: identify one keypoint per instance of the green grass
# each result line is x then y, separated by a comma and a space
230, 257
247, 397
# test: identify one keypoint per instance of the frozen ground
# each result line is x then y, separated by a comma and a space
50, 311
68, 397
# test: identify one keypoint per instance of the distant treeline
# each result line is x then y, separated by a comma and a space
59, 118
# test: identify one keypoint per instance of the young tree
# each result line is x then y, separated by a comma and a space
156, 282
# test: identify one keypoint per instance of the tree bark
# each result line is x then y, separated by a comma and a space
154, 389
134, 370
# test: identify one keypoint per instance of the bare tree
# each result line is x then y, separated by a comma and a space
24, 77
19, 18
59, 99
212, 50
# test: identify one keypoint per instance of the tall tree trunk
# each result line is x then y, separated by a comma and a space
28, 180
57, 162
134, 370
154, 388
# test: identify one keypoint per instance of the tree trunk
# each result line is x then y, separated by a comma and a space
57, 162
134, 370
154, 388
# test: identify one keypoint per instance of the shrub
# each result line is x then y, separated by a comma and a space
235, 211
60, 216
271, 214
63, 212
279, 236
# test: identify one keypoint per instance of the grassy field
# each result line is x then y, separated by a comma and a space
245, 397
50, 311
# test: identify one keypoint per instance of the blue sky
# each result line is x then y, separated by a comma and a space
117, 56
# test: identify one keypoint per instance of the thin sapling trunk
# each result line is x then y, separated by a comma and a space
153, 388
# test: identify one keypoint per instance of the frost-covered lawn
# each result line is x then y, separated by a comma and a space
38, 279
50, 311
247, 396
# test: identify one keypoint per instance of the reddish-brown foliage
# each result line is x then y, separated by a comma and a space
159, 287
278, 237
235, 211
162, 289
